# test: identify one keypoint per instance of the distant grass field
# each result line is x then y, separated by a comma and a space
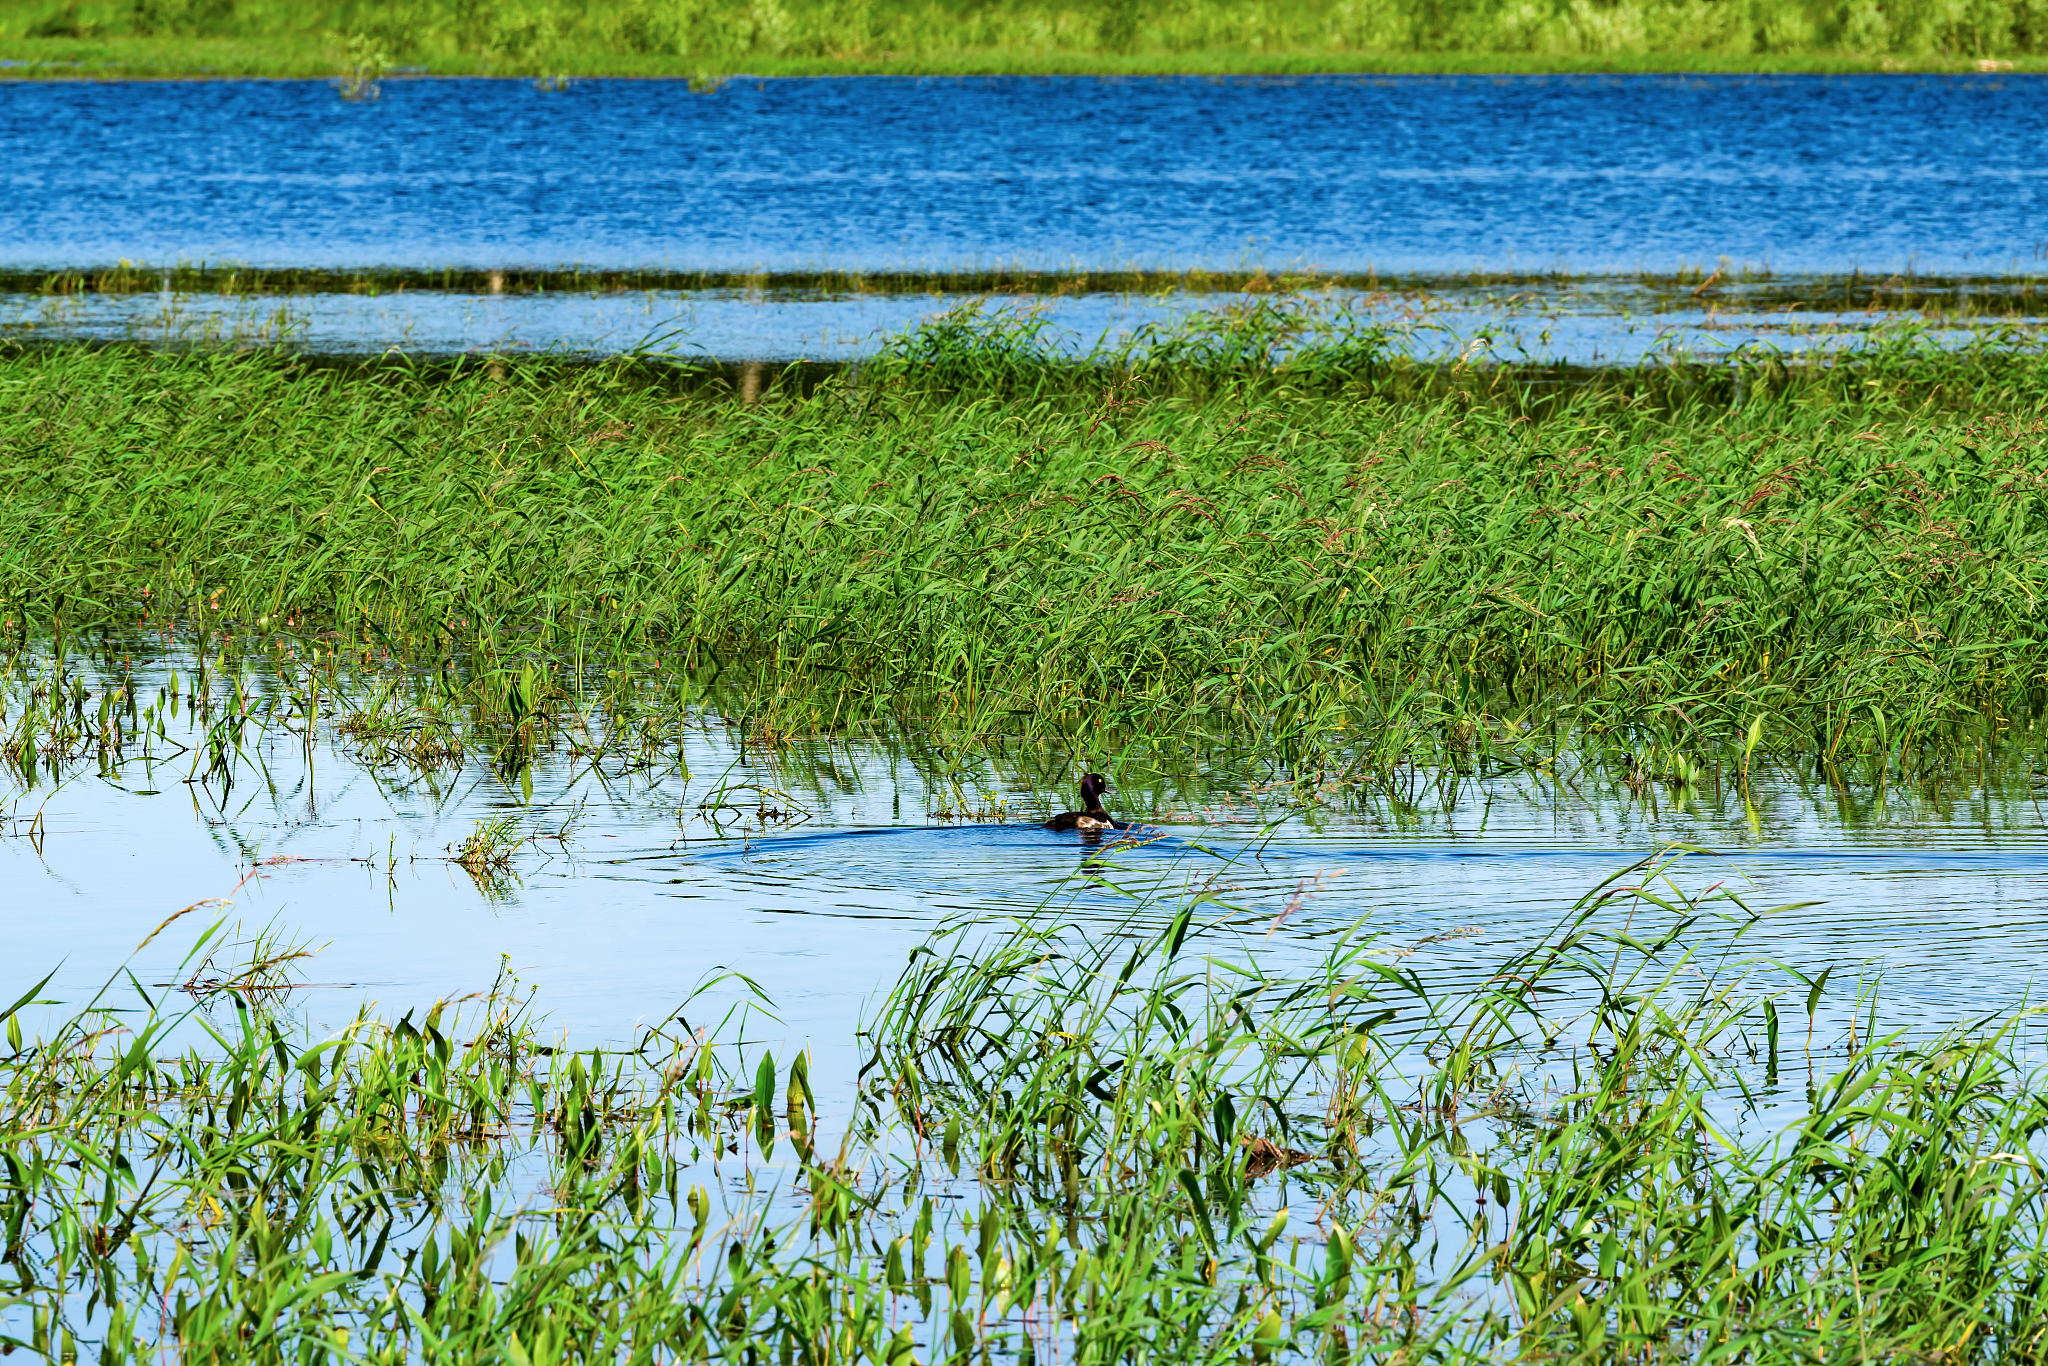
368, 39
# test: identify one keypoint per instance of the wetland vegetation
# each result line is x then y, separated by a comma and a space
972, 535
1295, 292
366, 40
1135, 1146
1158, 1140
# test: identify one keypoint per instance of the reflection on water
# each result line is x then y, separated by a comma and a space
817, 869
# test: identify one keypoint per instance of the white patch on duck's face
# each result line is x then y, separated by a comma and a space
1086, 822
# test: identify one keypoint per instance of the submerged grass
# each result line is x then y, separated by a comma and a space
365, 40
1148, 1145
974, 538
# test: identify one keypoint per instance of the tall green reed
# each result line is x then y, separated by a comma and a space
1847, 556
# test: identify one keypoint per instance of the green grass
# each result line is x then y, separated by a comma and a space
1150, 1145
974, 539
796, 37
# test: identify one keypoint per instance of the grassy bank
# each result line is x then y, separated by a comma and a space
1147, 1147
791, 37
1853, 552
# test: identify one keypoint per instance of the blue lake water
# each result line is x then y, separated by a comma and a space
1591, 174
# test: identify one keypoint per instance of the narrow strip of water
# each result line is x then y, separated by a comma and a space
1585, 328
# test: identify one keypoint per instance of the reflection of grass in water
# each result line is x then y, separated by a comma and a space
768, 753
637, 37
179, 321
1144, 1144
486, 854
1476, 320
388, 728
264, 964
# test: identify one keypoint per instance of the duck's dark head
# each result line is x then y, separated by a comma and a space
1093, 785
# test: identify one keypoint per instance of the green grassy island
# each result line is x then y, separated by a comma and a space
992, 539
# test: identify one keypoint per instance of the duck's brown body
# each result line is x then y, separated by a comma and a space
1080, 820
1093, 816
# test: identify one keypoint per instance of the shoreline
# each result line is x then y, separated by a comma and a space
88, 61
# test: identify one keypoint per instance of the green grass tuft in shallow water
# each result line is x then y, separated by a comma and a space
1158, 1143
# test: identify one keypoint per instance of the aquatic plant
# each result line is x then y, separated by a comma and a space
1149, 1144
364, 68
1849, 552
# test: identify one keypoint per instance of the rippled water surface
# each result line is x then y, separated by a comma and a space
817, 868
1436, 178
1798, 173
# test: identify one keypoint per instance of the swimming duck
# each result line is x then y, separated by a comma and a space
1092, 816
